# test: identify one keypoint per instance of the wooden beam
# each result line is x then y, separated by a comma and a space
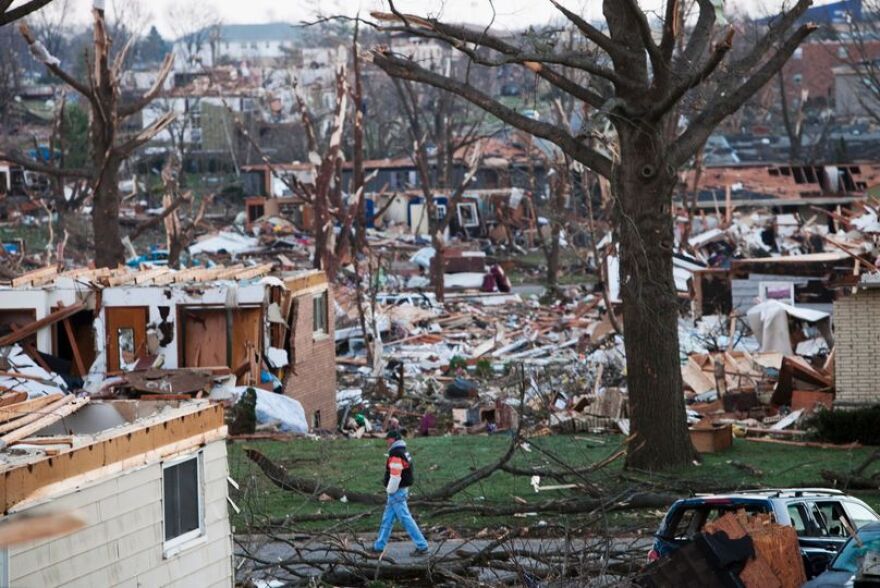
47, 272
120, 278
254, 272
144, 277
77, 358
14, 411
306, 279
13, 398
53, 414
34, 327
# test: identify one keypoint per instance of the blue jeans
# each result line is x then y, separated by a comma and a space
397, 509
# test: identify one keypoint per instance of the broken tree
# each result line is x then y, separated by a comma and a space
107, 114
644, 89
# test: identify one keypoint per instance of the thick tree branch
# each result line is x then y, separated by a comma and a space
51, 62
700, 37
661, 68
7, 16
126, 110
30, 164
695, 79
405, 69
778, 30
466, 40
670, 29
128, 147
590, 32
724, 103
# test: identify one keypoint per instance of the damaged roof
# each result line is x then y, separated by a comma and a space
159, 276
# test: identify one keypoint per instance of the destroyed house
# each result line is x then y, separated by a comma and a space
784, 186
116, 493
271, 332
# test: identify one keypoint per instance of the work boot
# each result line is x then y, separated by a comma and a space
418, 552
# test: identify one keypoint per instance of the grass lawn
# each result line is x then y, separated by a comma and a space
357, 465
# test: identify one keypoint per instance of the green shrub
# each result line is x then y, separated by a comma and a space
484, 368
847, 426
456, 363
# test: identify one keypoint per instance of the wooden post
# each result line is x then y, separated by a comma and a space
728, 204
77, 358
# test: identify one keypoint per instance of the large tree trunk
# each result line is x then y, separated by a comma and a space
643, 222
109, 251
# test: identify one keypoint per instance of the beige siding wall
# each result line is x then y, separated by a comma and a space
857, 347
122, 543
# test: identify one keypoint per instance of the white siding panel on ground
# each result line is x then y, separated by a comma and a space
122, 543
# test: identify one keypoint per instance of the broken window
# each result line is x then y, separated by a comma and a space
125, 341
183, 502
316, 419
319, 313
803, 524
831, 513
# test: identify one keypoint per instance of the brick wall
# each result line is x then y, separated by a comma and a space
857, 348
312, 379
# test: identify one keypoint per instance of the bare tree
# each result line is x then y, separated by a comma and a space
109, 148
863, 58
453, 139
51, 25
638, 85
196, 26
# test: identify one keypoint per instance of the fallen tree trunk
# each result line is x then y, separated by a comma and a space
637, 500
279, 476
850, 481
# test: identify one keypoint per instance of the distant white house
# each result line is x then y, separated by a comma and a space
234, 42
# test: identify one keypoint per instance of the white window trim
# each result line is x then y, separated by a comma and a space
172, 547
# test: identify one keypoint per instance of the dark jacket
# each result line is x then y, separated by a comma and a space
398, 454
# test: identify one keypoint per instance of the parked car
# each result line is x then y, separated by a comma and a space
845, 565
814, 513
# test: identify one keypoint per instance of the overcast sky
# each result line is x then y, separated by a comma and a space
508, 13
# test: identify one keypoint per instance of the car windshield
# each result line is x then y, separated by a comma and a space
852, 553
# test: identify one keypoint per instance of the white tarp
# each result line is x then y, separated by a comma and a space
225, 241
769, 323
271, 408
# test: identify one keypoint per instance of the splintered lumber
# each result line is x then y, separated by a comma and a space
34, 327
53, 414
36, 276
35, 414
13, 398
20, 409
253, 272
777, 560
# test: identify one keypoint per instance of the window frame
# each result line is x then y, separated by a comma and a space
324, 298
173, 546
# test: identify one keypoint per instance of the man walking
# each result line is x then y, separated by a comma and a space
398, 478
